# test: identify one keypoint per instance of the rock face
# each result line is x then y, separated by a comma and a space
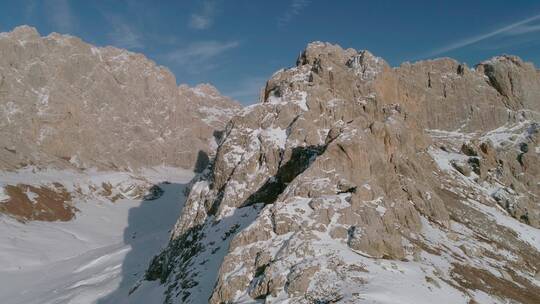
356, 182
66, 103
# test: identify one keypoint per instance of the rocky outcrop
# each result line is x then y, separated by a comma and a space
66, 103
27, 202
353, 181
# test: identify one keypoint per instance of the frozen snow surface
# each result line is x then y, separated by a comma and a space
99, 256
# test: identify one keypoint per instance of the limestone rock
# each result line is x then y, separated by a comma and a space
68, 104
335, 186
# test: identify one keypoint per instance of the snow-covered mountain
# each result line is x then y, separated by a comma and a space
355, 182
66, 104
97, 146
351, 181
101, 253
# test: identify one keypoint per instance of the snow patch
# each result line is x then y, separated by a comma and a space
3, 195
277, 136
381, 210
526, 233
98, 256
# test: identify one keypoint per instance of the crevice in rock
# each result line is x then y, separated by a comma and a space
345, 152
460, 70
348, 190
177, 258
300, 160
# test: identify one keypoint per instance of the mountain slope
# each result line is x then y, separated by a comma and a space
66, 103
356, 182
97, 146
100, 254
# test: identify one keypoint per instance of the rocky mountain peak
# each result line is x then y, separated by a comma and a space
321, 55
66, 103
351, 175
23, 32
516, 80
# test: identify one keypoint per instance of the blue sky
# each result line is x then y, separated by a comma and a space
237, 44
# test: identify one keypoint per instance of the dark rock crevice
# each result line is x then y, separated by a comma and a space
300, 160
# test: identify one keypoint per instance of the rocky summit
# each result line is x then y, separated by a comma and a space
351, 181
67, 104
356, 182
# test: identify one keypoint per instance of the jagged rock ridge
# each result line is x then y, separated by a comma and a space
66, 103
356, 182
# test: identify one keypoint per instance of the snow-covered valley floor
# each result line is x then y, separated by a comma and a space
98, 256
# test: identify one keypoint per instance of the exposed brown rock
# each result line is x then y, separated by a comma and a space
28, 203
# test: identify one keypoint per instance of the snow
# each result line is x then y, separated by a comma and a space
435, 133
197, 91
406, 280
101, 254
444, 159
96, 52
233, 157
3, 195
381, 281
300, 74
302, 102
381, 210
248, 109
297, 97
42, 100
10, 109
524, 232
508, 134
215, 114
366, 65
31, 196
277, 136
216, 246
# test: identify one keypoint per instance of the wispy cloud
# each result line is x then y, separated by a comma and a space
198, 56
60, 15
204, 18
516, 28
295, 8
524, 29
123, 35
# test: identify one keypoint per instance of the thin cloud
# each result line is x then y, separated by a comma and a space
197, 57
295, 8
511, 29
507, 42
124, 36
205, 17
201, 51
60, 15
524, 29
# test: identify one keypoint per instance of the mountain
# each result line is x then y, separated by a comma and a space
68, 104
97, 146
356, 182
350, 182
